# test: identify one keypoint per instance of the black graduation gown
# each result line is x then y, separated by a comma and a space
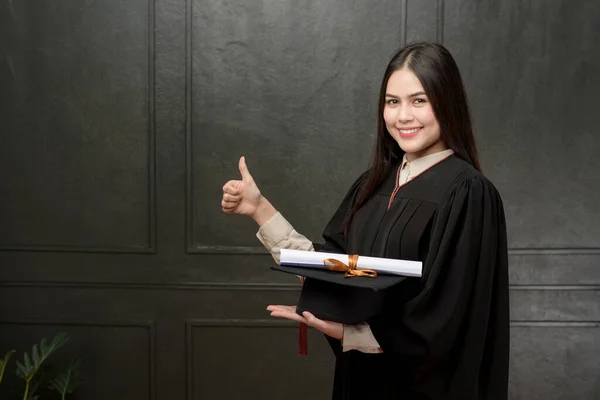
445, 335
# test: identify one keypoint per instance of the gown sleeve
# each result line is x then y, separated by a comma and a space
466, 257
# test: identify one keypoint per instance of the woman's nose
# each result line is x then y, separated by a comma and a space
404, 114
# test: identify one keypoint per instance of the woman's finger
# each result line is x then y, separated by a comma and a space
232, 187
288, 315
314, 321
287, 312
281, 308
229, 205
333, 329
231, 197
276, 307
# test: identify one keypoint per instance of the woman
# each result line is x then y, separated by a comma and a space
446, 335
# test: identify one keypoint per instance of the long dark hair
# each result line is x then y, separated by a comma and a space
438, 73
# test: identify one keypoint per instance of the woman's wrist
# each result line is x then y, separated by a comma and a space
264, 211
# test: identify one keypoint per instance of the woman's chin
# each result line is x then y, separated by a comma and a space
409, 148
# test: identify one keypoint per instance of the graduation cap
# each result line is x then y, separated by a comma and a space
339, 287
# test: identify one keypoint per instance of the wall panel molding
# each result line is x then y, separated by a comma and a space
235, 286
403, 22
440, 21
151, 247
192, 324
149, 326
225, 250
565, 287
188, 128
555, 324
256, 250
190, 247
225, 286
554, 251
85, 249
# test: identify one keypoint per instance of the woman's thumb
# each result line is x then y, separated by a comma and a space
244, 170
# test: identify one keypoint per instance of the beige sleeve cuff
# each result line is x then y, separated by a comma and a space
277, 233
360, 337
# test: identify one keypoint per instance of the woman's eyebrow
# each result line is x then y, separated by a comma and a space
410, 95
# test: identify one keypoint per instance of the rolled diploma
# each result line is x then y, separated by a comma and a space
314, 259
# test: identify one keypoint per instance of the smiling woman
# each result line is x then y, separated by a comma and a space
444, 335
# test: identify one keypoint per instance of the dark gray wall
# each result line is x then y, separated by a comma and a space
120, 122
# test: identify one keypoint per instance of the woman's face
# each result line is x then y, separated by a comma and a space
409, 117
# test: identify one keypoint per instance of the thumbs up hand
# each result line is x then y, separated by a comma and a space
241, 196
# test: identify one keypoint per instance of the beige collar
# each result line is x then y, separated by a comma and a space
418, 166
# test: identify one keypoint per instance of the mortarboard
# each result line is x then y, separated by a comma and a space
332, 296
344, 292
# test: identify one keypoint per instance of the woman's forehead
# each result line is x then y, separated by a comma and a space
403, 83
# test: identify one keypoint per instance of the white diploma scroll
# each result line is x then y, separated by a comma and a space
315, 259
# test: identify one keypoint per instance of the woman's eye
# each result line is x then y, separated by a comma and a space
420, 101
392, 101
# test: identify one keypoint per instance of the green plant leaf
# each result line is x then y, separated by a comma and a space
4, 363
21, 370
27, 361
67, 381
35, 355
28, 369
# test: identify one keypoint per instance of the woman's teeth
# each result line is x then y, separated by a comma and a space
409, 131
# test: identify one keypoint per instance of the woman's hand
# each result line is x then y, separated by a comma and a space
244, 197
241, 196
333, 329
